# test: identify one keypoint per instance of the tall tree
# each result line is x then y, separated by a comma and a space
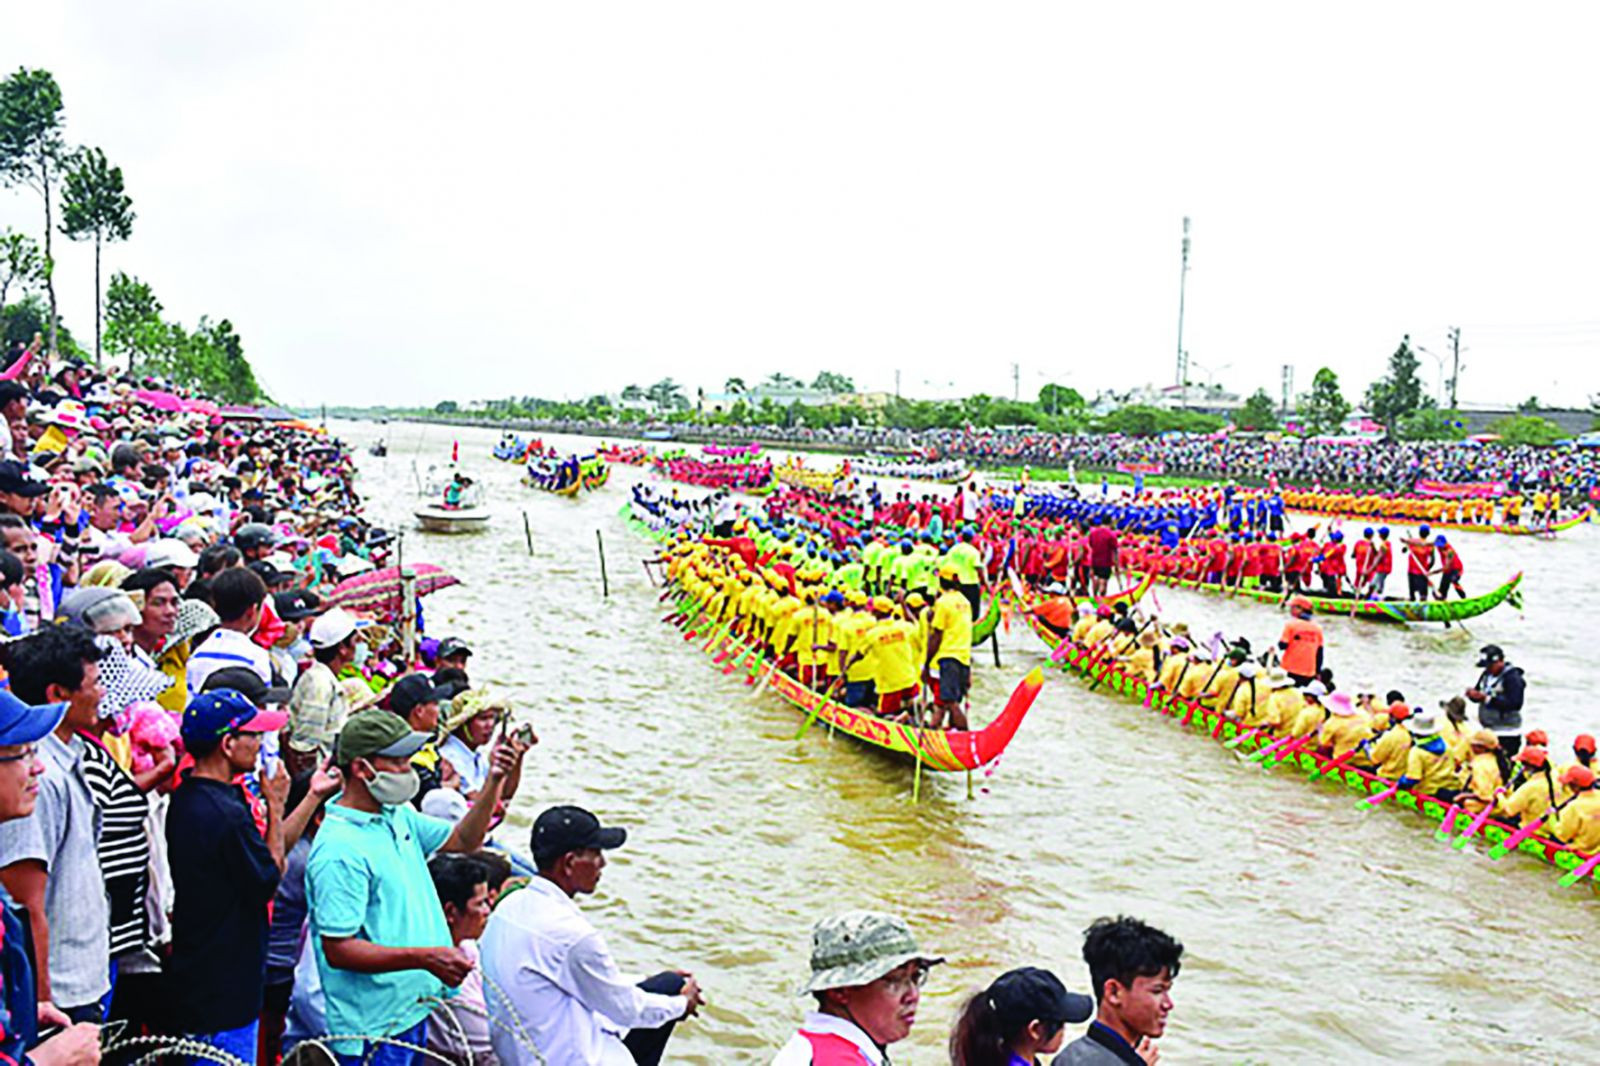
1060, 399
93, 204
632, 392
828, 381
20, 263
133, 320
1392, 398
1257, 412
734, 384
30, 152
1323, 411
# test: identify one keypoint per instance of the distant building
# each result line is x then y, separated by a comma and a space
781, 396
1204, 399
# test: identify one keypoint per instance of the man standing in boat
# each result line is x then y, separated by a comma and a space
1300, 645
1499, 694
949, 662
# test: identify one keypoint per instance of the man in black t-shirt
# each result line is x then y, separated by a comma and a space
225, 869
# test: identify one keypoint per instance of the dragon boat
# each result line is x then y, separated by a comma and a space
1374, 610
1455, 826
1585, 515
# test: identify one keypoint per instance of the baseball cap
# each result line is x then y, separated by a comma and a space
296, 604
212, 715
24, 723
14, 479
414, 689
376, 732
1583, 742
269, 573
248, 683
453, 646
562, 829
332, 628
1030, 994
1490, 653
254, 535
1578, 777
1532, 757
171, 552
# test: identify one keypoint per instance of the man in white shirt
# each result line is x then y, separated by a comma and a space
562, 992
237, 595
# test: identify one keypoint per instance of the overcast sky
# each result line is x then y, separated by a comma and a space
409, 202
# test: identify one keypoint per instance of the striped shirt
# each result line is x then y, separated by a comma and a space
124, 846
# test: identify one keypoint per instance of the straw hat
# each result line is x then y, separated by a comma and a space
359, 694
1422, 725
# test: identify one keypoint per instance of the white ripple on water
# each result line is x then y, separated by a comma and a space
1313, 932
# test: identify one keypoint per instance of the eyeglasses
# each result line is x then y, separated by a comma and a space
28, 752
905, 979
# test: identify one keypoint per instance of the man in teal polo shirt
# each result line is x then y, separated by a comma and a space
383, 948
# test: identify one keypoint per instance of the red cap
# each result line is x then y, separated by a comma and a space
1578, 777
1533, 757
1538, 738
1399, 711
1584, 742
1300, 603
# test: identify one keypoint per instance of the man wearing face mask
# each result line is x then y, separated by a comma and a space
382, 944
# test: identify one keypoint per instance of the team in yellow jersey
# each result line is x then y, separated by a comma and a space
878, 652
1542, 507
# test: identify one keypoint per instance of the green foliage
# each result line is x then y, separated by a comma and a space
1529, 406
93, 203
445, 407
1325, 408
31, 151
1138, 420
828, 381
134, 329
1392, 398
1060, 400
31, 315
1432, 423
667, 394
1257, 413
780, 380
632, 392
1527, 429
210, 359
20, 263
734, 384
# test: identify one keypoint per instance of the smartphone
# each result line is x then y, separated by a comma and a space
524, 734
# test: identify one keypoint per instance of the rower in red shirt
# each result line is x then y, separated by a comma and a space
1365, 554
1332, 568
1419, 563
1450, 567
1383, 566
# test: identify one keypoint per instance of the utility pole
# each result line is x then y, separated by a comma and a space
1455, 363
897, 384
1183, 280
1016, 383
1288, 386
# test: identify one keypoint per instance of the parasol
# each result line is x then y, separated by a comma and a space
380, 589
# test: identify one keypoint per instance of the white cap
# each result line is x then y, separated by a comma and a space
332, 627
171, 552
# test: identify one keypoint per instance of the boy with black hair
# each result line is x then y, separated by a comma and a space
1132, 966
237, 597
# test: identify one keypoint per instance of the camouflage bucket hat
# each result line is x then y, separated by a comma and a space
857, 948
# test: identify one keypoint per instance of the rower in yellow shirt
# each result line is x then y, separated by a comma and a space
949, 659
1345, 727
814, 636
1579, 824
1219, 689
1247, 694
1175, 666
896, 670
1198, 675
1429, 766
1141, 661
1282, 704
1537, 793
1481, 779
1086, 621
1391, 751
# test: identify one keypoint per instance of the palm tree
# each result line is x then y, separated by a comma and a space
734, 384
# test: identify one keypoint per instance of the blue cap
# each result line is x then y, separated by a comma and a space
1440, 540
212, 715
833, 596
1336, 535
1383, 531
1367, 532
1423, 529
23, 723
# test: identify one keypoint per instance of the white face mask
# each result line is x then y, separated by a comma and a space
393, 789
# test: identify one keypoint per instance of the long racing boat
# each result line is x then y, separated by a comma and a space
1455, 825
1384, 610
1504, 528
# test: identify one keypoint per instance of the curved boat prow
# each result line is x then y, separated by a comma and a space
976, 748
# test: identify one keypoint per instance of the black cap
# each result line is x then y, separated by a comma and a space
412, 690
248, 684
11, 390
1490, 653
1030, 994
254, 535
452, 646
563, 829
296, 604
15, 480
269, 573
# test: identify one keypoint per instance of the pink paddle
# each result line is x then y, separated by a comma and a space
1477, 823
1376, 798
1583, 871
1514, 841
1448, 825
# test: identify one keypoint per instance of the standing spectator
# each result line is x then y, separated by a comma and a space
383, 948
317, 707
1023, 1014
1499, 694
236, 595
867, 974
224, 870
561, 987
474, 714
1132, 967
51, 865
459, 1028
22, 729
1102, 555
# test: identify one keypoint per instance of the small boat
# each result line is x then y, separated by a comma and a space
1224, 729
438, 518
1385, 610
